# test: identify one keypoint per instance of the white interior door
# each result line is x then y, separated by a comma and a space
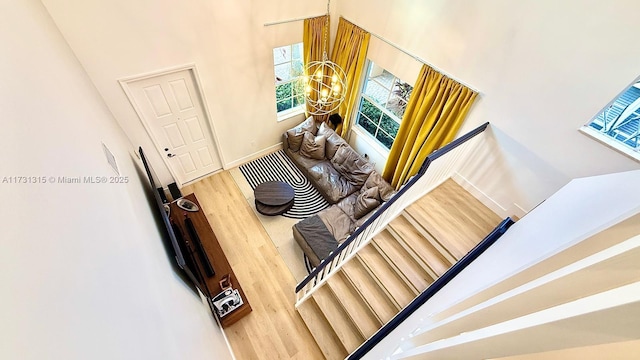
171, 108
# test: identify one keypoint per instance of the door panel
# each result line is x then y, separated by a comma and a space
188, 166
173, 113
174, 136
182, 95
157, 100
205, 156
195, 130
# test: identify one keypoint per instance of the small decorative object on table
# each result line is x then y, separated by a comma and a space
228, 300
187, 205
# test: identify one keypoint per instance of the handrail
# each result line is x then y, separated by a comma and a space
430, 158
433, 289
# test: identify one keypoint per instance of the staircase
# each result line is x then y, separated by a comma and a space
416, 248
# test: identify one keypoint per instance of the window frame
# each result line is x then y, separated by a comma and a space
384, 111
608, 140
299, 108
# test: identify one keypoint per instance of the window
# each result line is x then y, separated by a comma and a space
288, 71
384, 99
618, 125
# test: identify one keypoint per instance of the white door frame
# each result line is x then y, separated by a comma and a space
124, 83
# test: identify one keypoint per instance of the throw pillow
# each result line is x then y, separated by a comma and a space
310, 125
313, 146
295, 134
325, 130
375, 180
366, 201
334, 142
295, 139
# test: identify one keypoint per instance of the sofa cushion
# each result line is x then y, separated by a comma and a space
313, 146
375, 180
310, 125
366, 201
348, 204
366, 217
351, 165
295, 135
339, 224
331, 183
334, 141
325, 130
317, 240
294, 139
303, 161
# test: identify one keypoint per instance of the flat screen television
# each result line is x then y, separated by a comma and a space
183, 254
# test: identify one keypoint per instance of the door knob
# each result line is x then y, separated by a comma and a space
170, 155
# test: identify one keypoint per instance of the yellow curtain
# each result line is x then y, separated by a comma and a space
313, 38
436, 110
350, 53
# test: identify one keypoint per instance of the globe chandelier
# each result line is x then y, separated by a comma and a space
324, 81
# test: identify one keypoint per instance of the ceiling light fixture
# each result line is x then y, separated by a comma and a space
324, 81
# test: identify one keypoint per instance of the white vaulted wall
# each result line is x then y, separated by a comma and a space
543, 69
84, 272
226, 40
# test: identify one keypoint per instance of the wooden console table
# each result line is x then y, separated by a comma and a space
216, 256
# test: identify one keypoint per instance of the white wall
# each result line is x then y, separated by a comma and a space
507, 177
83, 269
543, 69
227, 40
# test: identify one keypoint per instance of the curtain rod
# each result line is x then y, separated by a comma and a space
291, 20
417, 58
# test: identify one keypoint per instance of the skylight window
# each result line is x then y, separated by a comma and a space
618, 125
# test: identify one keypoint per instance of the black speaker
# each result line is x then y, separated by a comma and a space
163, 196
175, 192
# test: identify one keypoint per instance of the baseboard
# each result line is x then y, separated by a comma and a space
253, 156
484, 198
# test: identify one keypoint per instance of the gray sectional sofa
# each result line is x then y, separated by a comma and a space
343, 177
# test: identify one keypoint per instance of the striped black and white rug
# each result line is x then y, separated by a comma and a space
278, 167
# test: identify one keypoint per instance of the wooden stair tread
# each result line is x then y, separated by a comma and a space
435, 243
338, 319
406, 265
377, 300
454, 217
416, 243
401, 261
321, 330
386, 276
354, 305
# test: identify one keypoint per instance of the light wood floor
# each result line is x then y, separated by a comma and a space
274, 330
